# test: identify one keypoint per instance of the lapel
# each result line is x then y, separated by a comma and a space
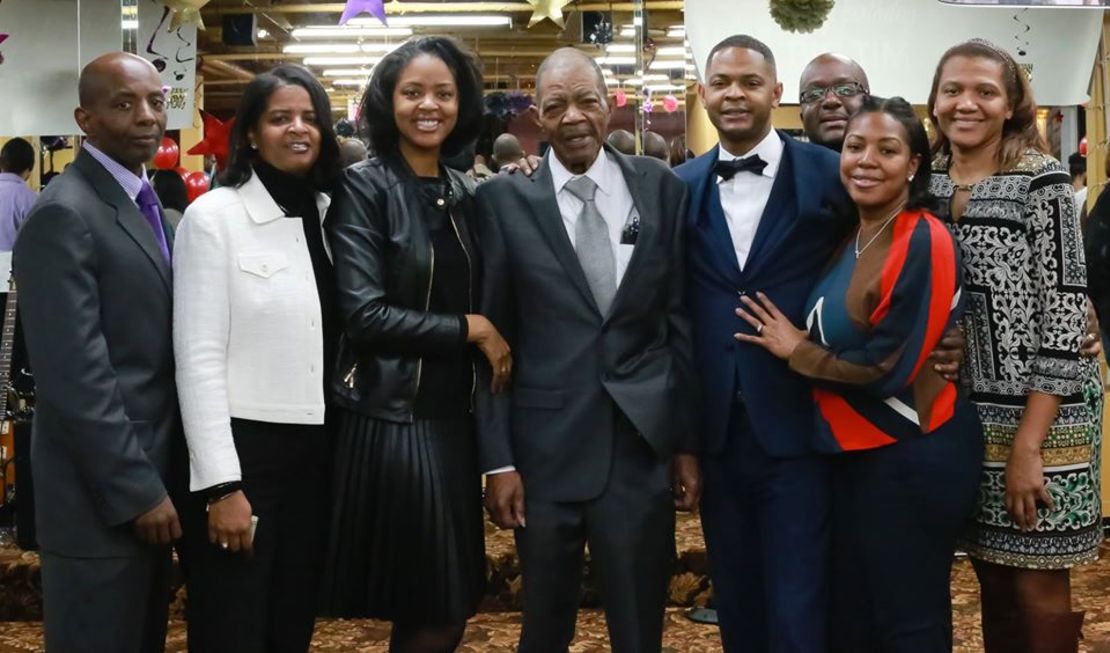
782, 210
540, 195
650, 220
128, 216
709, 217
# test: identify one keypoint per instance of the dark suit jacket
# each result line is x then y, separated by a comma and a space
803, 223
96, 306
573, 366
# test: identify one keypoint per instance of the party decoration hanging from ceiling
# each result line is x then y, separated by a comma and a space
185, 12
800, 15
548, 9
355, 7
216, 140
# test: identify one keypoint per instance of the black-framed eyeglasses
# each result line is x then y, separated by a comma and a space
818, 93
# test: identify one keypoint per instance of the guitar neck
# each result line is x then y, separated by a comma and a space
7, 343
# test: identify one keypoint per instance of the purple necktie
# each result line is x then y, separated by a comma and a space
148, 204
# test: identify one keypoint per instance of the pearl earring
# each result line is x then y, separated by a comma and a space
910, 178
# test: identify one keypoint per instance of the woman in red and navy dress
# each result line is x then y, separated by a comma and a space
906, 474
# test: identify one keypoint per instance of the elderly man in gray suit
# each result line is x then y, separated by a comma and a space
593, 442
93, 270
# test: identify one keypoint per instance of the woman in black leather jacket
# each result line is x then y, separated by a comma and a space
407, 538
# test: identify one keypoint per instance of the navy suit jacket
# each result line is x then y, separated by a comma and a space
805, 220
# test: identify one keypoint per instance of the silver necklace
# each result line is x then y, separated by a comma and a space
860, 250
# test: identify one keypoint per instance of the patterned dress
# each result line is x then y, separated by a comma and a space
1025, 281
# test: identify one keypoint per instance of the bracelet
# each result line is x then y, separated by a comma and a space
222, 491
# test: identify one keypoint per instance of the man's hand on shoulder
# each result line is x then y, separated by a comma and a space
159, 525
505, 499
528, 165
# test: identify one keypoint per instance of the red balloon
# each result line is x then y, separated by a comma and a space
168, 154
182, 172
196, 184
1083, 146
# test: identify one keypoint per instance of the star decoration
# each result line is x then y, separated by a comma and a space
355, 7
185, 12
216, 139
549, 9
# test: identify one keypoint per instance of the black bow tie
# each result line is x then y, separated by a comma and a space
727, 169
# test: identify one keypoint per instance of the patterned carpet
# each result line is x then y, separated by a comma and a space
496, 632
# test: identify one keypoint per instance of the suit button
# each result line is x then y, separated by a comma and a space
265, 268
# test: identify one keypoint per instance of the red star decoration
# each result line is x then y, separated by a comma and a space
216, 139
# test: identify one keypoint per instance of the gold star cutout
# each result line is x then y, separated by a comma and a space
549, 9
185, 12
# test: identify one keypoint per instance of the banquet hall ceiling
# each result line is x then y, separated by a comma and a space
285, 30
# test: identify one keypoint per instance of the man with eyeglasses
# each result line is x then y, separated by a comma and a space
832, 89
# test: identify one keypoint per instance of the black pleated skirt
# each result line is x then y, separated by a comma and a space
406, 539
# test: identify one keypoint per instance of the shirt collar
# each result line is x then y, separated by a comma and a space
11, 177
601, 172
769, 149
132, 184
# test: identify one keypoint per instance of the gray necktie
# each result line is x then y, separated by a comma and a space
591, 242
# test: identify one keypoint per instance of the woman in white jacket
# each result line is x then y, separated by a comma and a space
255, 329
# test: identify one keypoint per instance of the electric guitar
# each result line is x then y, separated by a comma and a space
7, 424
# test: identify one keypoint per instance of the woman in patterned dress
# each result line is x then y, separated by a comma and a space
1012, 210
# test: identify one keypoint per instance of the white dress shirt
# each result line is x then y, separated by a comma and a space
744, 197
613, 200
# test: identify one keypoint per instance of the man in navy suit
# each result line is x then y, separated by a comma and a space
762, 217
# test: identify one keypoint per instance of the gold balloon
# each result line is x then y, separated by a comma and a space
185, 12
549, 9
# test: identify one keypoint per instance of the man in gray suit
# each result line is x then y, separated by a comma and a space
593, 441
93, 271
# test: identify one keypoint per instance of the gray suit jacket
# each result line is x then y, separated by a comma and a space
572, 366
95, 298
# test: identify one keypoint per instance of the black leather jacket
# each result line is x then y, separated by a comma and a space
383, 265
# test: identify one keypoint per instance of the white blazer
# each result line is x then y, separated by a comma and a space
246, 324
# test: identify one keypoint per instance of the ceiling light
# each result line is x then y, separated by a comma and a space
263, 34
656, 78
347, 72
620, 47
667, 64
348, 32
628, 32
348, 82
341, 61
676, 30
634, 81
664, 88
438, 21
130, 24
609, 81
671, 51
616, 61
321, 48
